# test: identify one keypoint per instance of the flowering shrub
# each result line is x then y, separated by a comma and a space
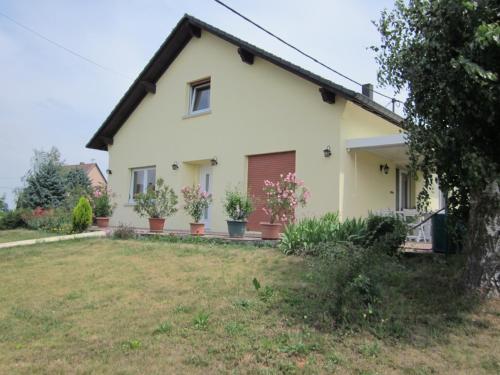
196, 201
283, 197
52, 220
101, 202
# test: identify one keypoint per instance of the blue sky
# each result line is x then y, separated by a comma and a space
52, 98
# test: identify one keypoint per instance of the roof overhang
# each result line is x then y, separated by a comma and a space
187, 28
390, 147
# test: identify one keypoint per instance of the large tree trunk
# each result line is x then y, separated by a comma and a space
482, 242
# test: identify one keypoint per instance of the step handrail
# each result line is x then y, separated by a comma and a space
427, 219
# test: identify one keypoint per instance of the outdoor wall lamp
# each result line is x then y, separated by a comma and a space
384, 168
175, 166
214, 161
327, 151
108, 171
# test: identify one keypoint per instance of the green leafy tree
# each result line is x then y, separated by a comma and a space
3, 204
76, 184
445, 54
45, 185
77, 180
82, 215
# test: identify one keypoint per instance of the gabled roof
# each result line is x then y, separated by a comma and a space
86, 167
188, 27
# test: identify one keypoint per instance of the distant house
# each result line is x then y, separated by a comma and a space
93, 173
214, 110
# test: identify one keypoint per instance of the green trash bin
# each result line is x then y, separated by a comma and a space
440, 240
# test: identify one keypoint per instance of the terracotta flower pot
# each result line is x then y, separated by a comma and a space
156, 224
270, 231
102, 222
197, 229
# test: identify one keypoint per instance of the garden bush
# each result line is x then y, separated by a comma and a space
82, 215
157, 202
283, 197
12, 219
308, 236
385, 233
352, 283
196, 201
53, 220
353, 288
101, 202
237, 205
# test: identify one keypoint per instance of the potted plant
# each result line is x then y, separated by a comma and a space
103, 207
238, 207
156, 204
282, 198
196, 201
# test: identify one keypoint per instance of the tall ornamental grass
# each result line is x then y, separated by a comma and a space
303, 237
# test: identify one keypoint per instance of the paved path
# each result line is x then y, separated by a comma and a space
52, 239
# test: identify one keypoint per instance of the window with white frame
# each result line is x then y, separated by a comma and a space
199, 100
142, 180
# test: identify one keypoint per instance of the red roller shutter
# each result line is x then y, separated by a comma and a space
265, 167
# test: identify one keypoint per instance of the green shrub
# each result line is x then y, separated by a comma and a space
102, 203
349, 287
72, 198
12, 219
300, 237
352, 230
385, 233
350, 282
237, 205
57, 221
308, 235
157, 202
82, 215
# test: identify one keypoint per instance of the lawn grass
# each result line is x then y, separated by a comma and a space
11, 235
147, 307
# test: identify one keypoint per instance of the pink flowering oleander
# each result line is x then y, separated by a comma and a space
102, 204
283, 197
196, 201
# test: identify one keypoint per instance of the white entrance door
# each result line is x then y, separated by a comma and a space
206, 185
404, 190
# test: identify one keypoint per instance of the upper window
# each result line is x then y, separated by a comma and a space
200, 97
142, 180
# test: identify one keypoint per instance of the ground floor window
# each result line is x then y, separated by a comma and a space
142, 179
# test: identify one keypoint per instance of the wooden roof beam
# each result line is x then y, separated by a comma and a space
246, 56
194, 30
106, 140
327, 95
149, 87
